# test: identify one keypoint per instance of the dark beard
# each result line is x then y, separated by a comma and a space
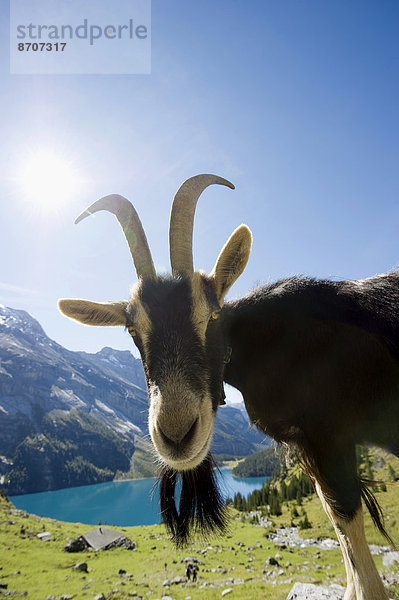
201, 507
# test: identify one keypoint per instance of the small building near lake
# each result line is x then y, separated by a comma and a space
100, 538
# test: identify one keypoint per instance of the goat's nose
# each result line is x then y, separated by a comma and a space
177, 437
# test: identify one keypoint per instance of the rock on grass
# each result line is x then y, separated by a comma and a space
309, 591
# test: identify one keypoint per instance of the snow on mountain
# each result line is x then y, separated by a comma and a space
12, 318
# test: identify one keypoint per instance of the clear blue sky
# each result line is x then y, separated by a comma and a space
295, 102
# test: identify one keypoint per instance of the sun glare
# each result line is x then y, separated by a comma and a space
48, 180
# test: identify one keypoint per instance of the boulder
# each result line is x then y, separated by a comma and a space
124, 574
390, 558
79, 544
82, 566
175, 581
191, 559
309, 591
45, 536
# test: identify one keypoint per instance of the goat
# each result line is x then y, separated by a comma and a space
317, 363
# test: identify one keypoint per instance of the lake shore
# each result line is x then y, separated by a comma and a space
123, 502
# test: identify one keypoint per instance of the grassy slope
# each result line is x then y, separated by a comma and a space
42, 569
45, 570
388, 500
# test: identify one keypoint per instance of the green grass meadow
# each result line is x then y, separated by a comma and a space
42, 569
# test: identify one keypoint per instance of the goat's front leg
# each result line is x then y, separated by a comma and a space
363, 580
350, 593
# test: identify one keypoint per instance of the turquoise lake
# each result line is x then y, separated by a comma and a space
121, 503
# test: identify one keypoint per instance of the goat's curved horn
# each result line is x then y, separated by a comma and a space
182, 221
132, 228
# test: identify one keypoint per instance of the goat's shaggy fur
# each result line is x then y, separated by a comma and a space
201, 506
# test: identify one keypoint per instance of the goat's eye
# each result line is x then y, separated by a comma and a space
215, 315
132, 331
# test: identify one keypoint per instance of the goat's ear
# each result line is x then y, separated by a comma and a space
231, 261
94, 313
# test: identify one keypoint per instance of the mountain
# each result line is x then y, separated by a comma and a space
266, 462
71, 418
233, 435
37, 376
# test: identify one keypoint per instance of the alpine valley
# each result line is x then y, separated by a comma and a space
73, 418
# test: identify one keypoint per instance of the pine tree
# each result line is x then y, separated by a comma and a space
392, 473
283, 491
367, 465
238, 501
275, 504
305, 523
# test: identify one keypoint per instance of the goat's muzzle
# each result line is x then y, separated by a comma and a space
181, 427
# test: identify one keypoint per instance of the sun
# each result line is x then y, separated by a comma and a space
47, 179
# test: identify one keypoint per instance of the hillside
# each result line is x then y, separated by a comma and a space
241, 561
264, 462
252, 561
288, 498
72, 449
71, 418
